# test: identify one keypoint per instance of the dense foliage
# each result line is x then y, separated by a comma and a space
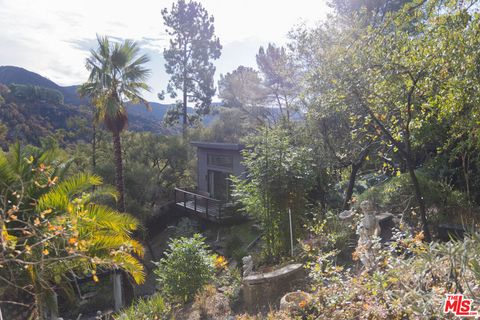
279, 176
152, 308
155, 165
379, 102
53, 231
26, 92
187, 267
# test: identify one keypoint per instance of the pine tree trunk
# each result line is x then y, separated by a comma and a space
119, 171
185, 119
420, 200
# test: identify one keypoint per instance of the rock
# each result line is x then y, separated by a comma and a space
256, 227
294, 301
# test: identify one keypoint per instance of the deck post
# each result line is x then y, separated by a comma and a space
185, 201
117, 290
206, 208
195, 203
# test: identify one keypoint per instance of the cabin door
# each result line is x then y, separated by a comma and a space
218, 184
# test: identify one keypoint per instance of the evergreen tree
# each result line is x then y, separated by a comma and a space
193, 46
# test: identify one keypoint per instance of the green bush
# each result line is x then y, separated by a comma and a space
397, 195
187, 267
153, 308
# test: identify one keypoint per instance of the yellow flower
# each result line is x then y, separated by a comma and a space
419, 237
45, 252
302, 304
220, 262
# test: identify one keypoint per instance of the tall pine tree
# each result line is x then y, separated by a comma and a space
193, 47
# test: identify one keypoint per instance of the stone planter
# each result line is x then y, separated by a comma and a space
263, 290
294, 301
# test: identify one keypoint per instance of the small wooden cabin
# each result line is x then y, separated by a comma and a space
216, 162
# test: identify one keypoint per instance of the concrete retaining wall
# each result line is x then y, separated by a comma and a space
261, 290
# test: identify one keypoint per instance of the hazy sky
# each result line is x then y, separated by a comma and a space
52, 37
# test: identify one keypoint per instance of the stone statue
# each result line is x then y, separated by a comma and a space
247, 265
368, 231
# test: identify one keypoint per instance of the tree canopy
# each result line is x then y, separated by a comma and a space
193, 47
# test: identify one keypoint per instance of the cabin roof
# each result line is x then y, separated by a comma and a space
217, 145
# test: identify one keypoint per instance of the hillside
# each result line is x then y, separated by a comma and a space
29, 117
10, 74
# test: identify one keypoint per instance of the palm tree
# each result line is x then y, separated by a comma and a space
58, 231
117, 76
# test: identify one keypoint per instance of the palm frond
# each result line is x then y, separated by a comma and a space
131, 265
110, 219
105, 191
59, 196
116, 73
7, 174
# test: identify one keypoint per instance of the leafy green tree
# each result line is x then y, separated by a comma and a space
52, 229
117, 76
156, 164
394, 76
280, 174
458, 102
230, 125
281, 77
187, 267
193, 46
243, 89
340, 148
373, 11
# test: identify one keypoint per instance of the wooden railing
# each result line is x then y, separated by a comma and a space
200, 204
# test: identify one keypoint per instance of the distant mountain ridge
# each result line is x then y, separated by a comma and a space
28, 118
139, 118
16, 75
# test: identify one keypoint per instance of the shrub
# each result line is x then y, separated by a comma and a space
396, 195
328, 233
152, 308
409, 282
187, 267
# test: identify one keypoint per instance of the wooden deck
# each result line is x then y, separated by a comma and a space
199, 205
